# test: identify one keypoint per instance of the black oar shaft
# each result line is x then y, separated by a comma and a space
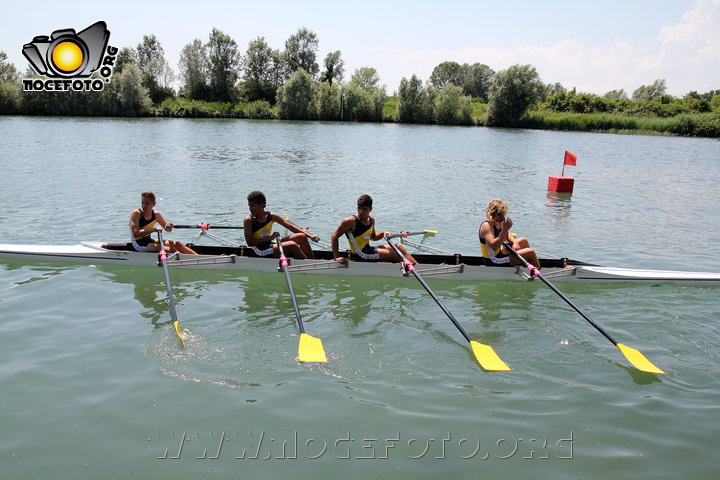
440, 304
577, 309
534, 271
163, 260
284, 265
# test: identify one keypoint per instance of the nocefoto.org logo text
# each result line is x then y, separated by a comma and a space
68, 58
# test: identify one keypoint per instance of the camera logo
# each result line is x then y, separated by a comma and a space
70, 58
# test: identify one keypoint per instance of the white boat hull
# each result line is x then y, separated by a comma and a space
94, 253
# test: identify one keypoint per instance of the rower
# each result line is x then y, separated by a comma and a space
145, 221
360, 230
259, 235
495, 230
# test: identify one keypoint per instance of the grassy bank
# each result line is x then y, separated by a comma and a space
697, 125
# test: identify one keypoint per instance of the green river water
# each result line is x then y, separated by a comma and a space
94, 385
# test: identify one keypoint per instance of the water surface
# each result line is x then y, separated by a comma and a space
94, 384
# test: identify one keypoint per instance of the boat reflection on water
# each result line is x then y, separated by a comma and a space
560, 203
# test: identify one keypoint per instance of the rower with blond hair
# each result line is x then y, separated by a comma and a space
495, 230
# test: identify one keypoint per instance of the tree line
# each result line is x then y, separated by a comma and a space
217, 79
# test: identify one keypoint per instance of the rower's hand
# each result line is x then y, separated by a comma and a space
507, 224
342, 260
274, 236
169, 226
311, 236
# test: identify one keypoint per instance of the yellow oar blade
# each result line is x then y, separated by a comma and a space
178, 330
430, 232
638, 359
311, 349
487, 358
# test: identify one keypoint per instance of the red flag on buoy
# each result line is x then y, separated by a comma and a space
563, 184
570, 159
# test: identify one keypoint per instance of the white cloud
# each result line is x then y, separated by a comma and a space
690, 50
686, 55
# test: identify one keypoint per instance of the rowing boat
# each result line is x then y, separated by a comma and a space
451, 267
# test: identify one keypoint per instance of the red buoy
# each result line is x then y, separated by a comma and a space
563, 184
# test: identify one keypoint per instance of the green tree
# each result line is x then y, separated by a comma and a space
452, 107
301, 52
8, 72
334, 68
156, 72
413, 105
715, 103
648, 93
224, 66
365, 78
132, 95
260, 68
447, 73
477, 79
364, 97
328, 101
616, 95
513, 91
124, 57
364, 104
295, 99
194, 67
10, 96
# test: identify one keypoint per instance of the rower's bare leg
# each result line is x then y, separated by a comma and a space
302, 241
173, 246
291, 250
387, 254
522, 247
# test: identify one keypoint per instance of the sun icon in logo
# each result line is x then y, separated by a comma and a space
67, 56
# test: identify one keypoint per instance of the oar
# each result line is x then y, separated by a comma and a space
321, 243
207, 226
310, 348
634, 356
484, 354
407, 234
171, 300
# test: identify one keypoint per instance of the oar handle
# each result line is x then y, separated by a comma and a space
411, 268
536, 272
207, 226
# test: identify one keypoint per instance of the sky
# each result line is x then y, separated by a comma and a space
592, 46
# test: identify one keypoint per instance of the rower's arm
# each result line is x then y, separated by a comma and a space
247, 230
135, 229
493, 242
379, 236
168, 226
345, 226
292, 227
